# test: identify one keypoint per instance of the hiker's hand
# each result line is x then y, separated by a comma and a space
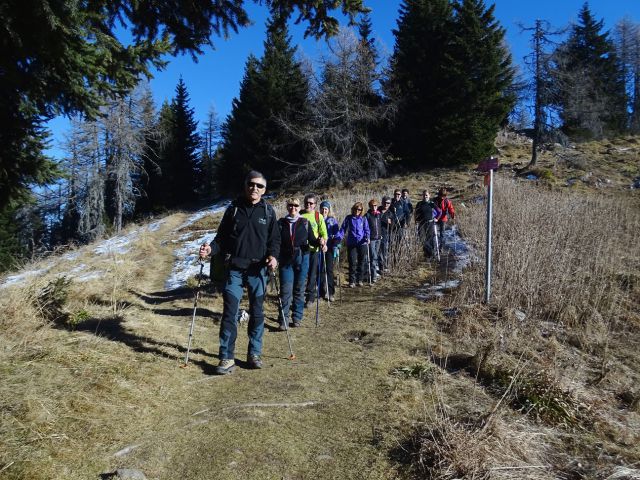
272, 263
324, 248
205, 250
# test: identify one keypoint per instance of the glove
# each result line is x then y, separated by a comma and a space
336, 252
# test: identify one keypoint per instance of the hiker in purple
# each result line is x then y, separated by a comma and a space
356, 230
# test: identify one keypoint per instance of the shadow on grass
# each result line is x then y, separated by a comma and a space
112, 328
163, 296
188, 312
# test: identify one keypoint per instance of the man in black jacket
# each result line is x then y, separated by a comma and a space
250, 242
426, 214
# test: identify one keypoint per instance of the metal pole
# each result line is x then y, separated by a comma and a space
193, 317
487, 280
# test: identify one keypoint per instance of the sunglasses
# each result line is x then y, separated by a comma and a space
293, 205
309, 203
374, 206
259, 186
358, 209
396, 194
387, 203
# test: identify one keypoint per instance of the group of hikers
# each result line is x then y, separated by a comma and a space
251, 244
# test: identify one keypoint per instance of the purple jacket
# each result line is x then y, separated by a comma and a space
356, 229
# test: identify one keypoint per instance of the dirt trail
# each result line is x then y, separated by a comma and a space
338, 411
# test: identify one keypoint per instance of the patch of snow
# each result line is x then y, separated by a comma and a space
213, 209
95, 274
119, 244
153, 227
187, 265
21, 277
71, 256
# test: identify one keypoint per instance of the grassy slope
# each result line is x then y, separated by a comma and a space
71, 400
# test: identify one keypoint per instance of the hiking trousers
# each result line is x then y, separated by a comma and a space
255, 279
293, 278
312, 284
374, 251
357, 263
328, 268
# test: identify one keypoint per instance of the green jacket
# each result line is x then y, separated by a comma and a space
319, 228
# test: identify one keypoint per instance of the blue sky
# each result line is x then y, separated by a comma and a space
214, 80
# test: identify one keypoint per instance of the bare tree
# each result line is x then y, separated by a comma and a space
339, 140
627, 40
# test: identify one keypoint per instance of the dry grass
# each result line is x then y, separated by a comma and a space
382, 407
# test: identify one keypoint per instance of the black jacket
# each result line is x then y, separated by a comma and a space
424, 212
248, 233
302, 237
375, 228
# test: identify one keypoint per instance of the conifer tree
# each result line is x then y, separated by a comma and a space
590, 80
481, 83
273, 87
184, 166
419, 81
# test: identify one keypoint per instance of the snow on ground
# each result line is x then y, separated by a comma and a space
186, 264
454, 263
120, 244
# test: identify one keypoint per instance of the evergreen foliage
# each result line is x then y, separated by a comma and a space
63, 57
273, 87
452, 77
184, 162
589, 78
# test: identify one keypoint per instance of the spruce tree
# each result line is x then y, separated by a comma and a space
419, 81
273, 88
481, 83
185, 142
590, 80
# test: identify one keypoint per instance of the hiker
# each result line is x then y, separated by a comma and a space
388, 221
356, 229
375, 236
426, 214
316, 221
249, 240
296, 236
408, 207
446, 210
398, 208
327, 284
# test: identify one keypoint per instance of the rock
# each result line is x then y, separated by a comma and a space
520, 315
130, 474
623, 473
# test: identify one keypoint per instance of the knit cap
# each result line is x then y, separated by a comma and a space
325, 204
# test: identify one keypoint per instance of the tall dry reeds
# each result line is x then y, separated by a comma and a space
557, 256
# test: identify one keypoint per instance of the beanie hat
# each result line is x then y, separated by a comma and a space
325, 204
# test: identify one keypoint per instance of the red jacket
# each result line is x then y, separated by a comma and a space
446, 207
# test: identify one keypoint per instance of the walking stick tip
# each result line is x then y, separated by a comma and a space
292, 357
184, 365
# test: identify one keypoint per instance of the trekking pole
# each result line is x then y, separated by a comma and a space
318, 292
193, 317
326, 278
284, 319
369, 263
435, 239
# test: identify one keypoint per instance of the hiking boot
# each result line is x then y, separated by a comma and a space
352, 285
282, 327
225, 366
360, 284
332, 298
254, 362
296, 323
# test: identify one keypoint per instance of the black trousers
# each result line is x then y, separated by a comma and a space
357, 263
326, 274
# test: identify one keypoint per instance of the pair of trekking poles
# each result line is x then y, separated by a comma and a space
195, 308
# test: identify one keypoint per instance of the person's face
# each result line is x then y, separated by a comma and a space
405, 195
386, 204
254, 189
425, 195
396, 195
358, 211
324, 211
373, 206
293, 208
310, 204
